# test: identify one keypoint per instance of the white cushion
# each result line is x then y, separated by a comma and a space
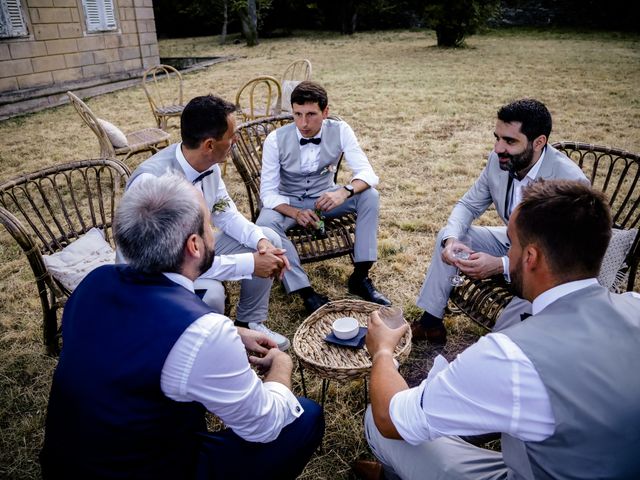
70, 265
116, 137
287, 89
621, 241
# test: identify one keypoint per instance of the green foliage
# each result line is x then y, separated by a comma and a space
455, 20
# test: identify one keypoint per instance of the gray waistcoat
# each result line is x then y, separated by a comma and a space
292, 181
586, 349
165, 160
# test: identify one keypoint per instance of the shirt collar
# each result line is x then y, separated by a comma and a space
546, 298
317, 135
180, 280
189, 172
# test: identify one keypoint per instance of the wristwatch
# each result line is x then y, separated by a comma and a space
349, 188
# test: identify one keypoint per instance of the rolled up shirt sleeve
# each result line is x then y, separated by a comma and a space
461, 399
208, 364
355, 157
270, 175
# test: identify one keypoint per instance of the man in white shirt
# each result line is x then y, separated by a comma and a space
144, 358
297, 187
245, 252
565, 408
521, 155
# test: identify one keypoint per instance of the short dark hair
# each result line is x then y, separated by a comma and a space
310, 92
570, 221
204, 117
533, 114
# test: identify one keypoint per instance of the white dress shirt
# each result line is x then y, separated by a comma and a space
270, 176
230, 221
490, 387
208, 364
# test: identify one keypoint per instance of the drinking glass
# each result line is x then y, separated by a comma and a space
392, 316
463, 254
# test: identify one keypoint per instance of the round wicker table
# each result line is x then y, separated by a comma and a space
334, 362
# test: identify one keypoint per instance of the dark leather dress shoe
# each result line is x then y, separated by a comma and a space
434, 335
367, 470
314, 302
364, 288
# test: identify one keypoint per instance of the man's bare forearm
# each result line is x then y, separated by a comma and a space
385, 383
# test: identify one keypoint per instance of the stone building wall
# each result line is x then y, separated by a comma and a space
60, 54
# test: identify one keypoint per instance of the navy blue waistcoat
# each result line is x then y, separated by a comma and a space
107, 416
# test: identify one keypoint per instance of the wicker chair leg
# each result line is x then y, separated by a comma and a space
50, 333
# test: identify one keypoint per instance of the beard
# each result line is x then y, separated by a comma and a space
515, 272
519, 161
207, 260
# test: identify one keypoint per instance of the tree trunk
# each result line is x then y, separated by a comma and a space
250, 23
225, 16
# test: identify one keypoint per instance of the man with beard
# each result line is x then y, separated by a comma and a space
144, 358
246, 252
561, 386
521, 154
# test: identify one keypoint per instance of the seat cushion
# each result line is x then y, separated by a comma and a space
116, 137
70, 265
621, 241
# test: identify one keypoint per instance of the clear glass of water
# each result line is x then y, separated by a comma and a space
463, 254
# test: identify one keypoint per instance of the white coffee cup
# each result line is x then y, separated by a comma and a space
345, 328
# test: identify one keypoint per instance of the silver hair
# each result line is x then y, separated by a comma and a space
153, 221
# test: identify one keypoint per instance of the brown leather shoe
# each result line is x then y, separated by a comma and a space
434, 335
367, 470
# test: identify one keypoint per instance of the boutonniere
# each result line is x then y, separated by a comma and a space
329, 169
221, 205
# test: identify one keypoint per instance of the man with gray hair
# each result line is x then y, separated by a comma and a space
245, 252
144, 358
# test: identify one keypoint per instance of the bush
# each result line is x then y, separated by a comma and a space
455, 20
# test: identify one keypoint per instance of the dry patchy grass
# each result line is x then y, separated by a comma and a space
424, 116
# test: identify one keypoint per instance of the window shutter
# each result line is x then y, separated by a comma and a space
12, 22
109, 14
100, 15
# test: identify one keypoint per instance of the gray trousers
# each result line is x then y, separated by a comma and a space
436, 288
253, 305
446, 458
366, 204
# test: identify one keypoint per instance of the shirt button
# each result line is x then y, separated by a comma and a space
297, 409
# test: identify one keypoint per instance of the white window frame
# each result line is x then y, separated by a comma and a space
99, 15
12, 20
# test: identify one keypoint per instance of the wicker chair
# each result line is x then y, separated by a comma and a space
45, 211
259, 97
247, 158
295, 73
614, 172
163, 86
146, 140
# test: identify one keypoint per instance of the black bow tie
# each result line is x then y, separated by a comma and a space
524, 316
204, 174
315, 141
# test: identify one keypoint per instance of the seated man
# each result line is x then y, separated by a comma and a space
521, 155
297, 186
561, 386
144, 358
244, 251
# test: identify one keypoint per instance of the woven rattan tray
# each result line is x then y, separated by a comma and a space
331, 361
